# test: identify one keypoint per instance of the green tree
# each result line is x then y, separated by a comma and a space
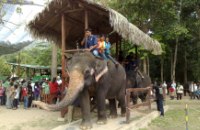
5, 69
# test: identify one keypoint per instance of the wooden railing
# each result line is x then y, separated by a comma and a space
128, 96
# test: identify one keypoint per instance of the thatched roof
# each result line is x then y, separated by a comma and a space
103, 20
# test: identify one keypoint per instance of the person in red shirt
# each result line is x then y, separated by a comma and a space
25, 96
54, 91
1, 93
53, 86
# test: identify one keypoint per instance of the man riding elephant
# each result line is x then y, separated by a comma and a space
85, 72
135, 78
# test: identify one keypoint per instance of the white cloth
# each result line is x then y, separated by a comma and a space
195, 88
191, 87
17, 94
59, 82
164, 85
180, 89
32, 85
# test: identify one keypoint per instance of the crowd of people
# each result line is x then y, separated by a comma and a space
16, 90
174, 89
177, 90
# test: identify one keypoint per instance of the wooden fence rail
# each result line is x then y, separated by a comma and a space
136, 90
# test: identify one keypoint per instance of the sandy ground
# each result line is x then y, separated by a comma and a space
30, 119
37, 119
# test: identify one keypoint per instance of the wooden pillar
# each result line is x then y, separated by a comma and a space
54, 61
64, 60
63, 49
86, 19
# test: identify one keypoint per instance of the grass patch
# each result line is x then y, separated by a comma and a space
175, 117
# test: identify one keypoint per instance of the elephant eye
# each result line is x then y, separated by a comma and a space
87, 71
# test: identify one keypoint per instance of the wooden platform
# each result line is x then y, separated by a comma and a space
140, 118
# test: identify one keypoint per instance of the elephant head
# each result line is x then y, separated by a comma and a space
84, 70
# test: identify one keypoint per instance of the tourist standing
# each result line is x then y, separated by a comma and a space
191, 89
160, 95
1, 93
36, 91
179, 91
164, 85
46, 91
25, 96
16, 97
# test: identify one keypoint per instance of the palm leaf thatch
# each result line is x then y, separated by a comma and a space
104, 20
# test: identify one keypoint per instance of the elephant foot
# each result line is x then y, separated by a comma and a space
86, 126
123, 114
112, 116
101, 121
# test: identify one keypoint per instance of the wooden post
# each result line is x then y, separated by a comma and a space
149, 98
86, 19
63, 49
127, 106
54, 61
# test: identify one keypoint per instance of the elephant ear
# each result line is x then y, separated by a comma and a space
101, 68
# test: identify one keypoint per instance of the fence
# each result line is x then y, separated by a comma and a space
129, 106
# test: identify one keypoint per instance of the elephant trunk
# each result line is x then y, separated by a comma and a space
76, 85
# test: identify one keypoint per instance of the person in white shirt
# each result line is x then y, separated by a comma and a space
59, 81
179, 91
16, 97
173, 85
192, 90
164, 85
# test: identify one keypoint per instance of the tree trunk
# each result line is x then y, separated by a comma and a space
171, 66
185, 66
162, 69
148, 66
54, 61
145, 66
174, 62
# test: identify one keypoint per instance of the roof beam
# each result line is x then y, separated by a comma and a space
59, 14
54, 17
74, 20
73, 10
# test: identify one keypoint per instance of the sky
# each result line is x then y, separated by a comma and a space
14, 27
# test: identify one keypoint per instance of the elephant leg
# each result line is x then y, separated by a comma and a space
121, 99
101, 106
134, 98
143, 97
85, 110
113, 109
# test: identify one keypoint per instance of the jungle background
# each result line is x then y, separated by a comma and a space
174, 23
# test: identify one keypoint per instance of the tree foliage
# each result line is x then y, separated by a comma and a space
169, 20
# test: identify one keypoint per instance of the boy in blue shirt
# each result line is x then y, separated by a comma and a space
107, 51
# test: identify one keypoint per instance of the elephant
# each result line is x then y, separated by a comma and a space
135, 80
87, 71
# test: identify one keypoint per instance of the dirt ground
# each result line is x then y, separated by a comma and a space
37, 119
30, 119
